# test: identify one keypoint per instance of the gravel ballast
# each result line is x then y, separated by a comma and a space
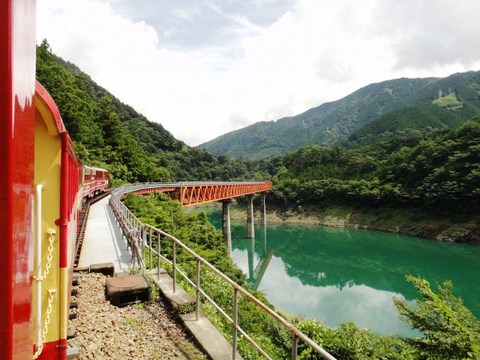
139, 331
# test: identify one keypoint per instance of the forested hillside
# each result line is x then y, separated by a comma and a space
392, 108
113, 135
440, 173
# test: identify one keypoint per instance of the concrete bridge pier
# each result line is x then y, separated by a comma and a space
265, 240
227, 232
251, 260
250, 221
264, 210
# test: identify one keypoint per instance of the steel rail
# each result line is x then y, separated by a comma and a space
137, 228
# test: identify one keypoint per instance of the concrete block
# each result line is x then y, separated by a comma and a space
73, 353
107, 269
209, 338
180, 300
125, 290
71, 332
75, 277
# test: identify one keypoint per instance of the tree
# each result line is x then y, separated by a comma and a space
450, 330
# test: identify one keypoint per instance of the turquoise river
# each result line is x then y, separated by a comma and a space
339, 275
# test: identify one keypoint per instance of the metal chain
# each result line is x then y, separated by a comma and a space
51, 240
51, 294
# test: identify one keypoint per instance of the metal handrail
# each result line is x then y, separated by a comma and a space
144, 231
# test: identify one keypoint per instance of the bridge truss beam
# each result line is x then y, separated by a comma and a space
196, 193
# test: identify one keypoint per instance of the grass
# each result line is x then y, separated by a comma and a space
131, 322
450, 102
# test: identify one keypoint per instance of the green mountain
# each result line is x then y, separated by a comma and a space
389, 106
440, 174
111, 134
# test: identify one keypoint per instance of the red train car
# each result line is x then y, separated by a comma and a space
57, 199
41, 191
95, 181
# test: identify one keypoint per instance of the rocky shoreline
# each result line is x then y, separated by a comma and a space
408, 222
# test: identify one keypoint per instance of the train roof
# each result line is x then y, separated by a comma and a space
95, 168
48, 106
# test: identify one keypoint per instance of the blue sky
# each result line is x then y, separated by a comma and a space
206, 67
196, 24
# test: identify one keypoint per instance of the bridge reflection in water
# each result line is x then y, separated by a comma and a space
256, 272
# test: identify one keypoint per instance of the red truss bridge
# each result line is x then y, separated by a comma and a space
195, 193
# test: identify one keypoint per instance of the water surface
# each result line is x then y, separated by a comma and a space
338, 275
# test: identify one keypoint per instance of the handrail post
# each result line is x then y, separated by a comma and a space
144, 244
150, 249
159, 238
174, 264
235, 322
294, 346
197, 302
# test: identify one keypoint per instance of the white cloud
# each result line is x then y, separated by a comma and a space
367, 307
316, 51
428, 35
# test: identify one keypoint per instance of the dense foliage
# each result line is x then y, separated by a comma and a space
193, 229
417, 121
442, 172
110, 134
449, 330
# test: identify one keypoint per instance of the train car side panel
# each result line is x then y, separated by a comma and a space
17, 84
47, 174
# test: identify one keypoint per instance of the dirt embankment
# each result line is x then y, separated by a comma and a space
412, 222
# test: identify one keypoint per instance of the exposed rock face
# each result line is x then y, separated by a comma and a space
460, 234
466, 232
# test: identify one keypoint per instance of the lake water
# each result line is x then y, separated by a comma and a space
339, 275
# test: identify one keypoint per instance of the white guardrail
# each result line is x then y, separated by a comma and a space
141, 237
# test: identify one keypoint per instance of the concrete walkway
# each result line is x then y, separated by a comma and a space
103, 241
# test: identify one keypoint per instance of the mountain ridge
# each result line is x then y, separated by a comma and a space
331, 122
